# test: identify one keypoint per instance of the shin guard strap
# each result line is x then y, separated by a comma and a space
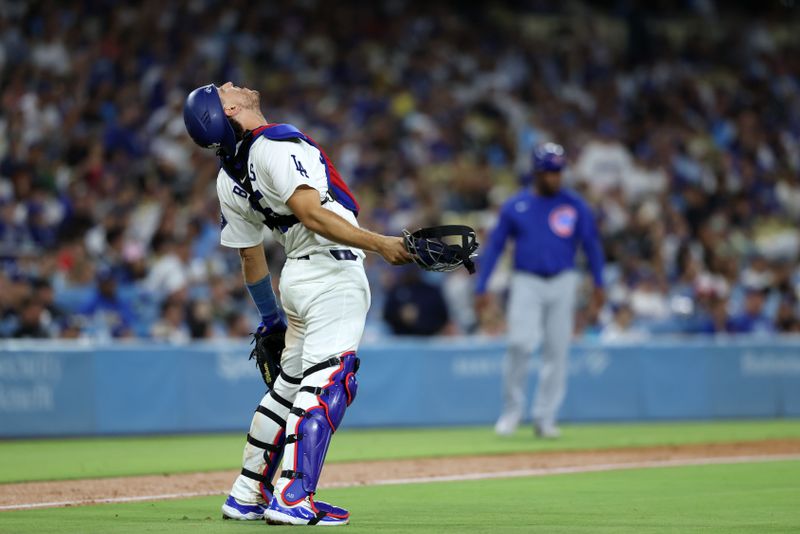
258, 478
288, 473
293, 438
290, 379
280, 400
313, 390
331, 362
272, 415
262, 445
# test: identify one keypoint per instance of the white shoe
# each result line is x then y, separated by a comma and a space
507, 424
547, 430
233, 509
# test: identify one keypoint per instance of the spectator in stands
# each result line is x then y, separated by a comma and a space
30, 320
753, 319
786, 318
14, 294
53, 318
171, 326
199, 319
237, 325
683, 139
415, 307
168, 274
622, 327
106, 314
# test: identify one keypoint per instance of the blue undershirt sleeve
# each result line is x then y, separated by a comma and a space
592, 246
493, 251
264, 298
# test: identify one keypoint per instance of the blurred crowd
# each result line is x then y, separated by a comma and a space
681, 124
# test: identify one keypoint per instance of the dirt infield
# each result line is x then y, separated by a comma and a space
88, 491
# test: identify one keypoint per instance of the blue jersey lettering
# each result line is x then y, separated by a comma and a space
299, 167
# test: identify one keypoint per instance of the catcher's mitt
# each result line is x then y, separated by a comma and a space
429, 250
267, 354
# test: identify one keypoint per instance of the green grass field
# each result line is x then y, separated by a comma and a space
758, 497
762, 497
104, 457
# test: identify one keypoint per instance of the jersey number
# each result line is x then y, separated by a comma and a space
299, 167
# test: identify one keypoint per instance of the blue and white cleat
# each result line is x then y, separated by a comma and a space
307, 512
233, 509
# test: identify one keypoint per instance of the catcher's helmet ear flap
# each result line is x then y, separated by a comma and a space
548, 157
206, 121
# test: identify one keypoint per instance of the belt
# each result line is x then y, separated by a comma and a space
339, 254
543, 275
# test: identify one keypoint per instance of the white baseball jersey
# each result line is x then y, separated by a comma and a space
277, 169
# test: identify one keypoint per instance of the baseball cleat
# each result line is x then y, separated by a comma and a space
507, 424
307, 512
233, 509
547, 431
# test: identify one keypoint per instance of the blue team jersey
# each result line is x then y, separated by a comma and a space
546, 232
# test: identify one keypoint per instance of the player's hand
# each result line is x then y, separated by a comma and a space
483, 302
489, 314
599, 297
271, 325
394, 251
269, 340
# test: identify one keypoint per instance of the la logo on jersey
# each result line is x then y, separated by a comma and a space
562, 220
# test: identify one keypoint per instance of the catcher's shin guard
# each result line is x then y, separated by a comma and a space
327, 390
265, 442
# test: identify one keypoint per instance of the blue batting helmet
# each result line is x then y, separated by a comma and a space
206, 121
548, 157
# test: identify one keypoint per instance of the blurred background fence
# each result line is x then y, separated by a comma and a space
81, 389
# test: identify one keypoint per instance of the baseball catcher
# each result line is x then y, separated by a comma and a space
275, 177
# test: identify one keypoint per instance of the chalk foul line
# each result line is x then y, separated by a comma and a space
516, 473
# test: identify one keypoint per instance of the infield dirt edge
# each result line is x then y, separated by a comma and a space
43, 494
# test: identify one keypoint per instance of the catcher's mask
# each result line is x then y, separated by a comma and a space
433, 249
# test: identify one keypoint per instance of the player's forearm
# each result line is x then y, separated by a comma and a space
259, 285
593, 249
487, 265
497, 243
254, 263
331, 226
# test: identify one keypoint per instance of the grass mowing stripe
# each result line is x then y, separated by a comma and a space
30, 460
112, 500
518, 473
715, 498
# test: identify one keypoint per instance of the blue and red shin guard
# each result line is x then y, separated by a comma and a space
327, 389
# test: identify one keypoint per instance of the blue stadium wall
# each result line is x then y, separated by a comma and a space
55, 389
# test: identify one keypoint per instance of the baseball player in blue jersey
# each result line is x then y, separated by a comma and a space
275, 177
546, 224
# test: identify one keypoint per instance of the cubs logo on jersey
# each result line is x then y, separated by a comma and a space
562, 220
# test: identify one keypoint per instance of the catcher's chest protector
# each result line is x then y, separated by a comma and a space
341, 193
236, 169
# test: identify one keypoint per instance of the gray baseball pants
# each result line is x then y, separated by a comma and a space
541, 311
